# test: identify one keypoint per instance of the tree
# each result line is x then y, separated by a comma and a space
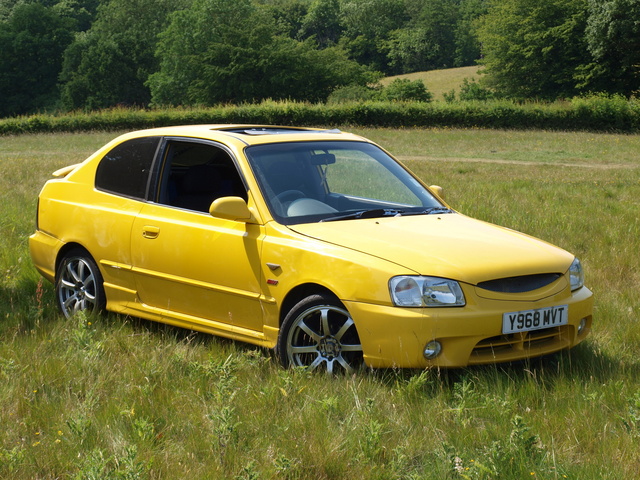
322, 22
466, 38
32, 40
229, 51
613, 39
84, 11
534, 48
110, 63
367, 27
438, 34
288, 15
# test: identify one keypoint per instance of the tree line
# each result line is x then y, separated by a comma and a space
93, 54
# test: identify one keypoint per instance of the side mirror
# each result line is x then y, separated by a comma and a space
231, 208
437, 190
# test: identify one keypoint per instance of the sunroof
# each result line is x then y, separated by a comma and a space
277, 130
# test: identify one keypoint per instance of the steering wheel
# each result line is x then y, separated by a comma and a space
289, 196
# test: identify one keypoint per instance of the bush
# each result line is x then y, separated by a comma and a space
604, 111
405, 90
472, 90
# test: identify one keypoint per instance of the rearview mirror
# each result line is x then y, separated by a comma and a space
323, 159
231, 208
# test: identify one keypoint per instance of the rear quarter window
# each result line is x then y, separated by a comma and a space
125, 169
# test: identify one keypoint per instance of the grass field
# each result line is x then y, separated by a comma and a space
439, 82
119, 398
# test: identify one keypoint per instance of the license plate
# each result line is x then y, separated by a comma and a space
528, 320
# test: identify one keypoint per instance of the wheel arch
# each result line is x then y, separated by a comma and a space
66, 248
299, 293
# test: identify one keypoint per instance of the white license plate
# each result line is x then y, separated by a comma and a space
528, 320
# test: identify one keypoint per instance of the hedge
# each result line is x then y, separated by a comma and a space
595, 113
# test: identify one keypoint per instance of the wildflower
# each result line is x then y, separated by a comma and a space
457, 465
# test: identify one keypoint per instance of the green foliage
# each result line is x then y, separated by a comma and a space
631, 420
236, 56
471, 90
532, 49
287, 14
32, 40
367, 26
83, 11
92, 54
553, 49
467, 45
519, 455
402, 89
428, 41
109, 64
322, 23
594, 113
613, 39
352, 93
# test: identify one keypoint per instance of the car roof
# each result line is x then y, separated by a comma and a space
248, 134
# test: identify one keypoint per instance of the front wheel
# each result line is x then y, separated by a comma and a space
320, 333
79, 284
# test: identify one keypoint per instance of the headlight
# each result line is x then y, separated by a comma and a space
576, 275
412, 291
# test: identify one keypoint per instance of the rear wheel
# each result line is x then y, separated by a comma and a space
79, 284
319, 333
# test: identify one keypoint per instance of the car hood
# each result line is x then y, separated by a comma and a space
449, 245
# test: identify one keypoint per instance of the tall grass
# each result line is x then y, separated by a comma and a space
119, 398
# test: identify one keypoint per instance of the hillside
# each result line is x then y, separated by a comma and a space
439, 82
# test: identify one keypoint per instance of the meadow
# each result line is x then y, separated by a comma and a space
440, 82
113, 397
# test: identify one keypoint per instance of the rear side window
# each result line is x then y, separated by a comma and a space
125, 169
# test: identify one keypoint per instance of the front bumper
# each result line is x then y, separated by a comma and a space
396, 337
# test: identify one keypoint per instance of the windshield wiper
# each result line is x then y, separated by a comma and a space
373, 213
387, 212
427, 211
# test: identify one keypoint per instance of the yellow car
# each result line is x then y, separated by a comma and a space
314, 243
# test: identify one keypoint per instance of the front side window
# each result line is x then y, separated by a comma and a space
319, 181
194, 174
125, 169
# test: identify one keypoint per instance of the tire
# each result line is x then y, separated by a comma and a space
319, 333
79, 284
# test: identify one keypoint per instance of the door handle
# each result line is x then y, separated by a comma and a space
149, 231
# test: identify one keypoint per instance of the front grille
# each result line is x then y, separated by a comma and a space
522, 345
522, 284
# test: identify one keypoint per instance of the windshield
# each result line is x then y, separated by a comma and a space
305, 182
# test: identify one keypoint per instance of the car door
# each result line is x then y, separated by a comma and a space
186, 262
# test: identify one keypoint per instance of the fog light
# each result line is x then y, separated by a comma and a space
432, 350
582, 325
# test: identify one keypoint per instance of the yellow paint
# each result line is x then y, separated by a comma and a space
209, 272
